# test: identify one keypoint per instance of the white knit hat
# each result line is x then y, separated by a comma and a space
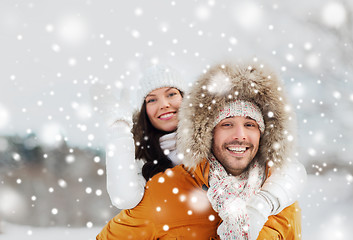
242, 109
159, 76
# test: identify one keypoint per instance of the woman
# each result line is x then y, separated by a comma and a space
152, 141
155, 139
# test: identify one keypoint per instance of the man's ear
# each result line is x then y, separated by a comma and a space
212, 132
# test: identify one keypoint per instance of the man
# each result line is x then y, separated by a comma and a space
235, 120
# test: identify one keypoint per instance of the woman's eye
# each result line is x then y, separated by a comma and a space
250, 125
171, 94
150, 100
226, 124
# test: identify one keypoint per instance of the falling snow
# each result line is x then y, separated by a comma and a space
52, 134
334, 14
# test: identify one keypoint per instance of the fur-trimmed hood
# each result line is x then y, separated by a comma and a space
223, 84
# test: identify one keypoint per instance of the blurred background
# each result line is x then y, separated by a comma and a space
54, 53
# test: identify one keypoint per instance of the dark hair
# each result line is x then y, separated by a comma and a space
147, 146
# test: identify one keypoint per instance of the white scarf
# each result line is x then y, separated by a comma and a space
228, 196
168, 145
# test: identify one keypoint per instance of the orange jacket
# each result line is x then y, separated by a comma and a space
175, 206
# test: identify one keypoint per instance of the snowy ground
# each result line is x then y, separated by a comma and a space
327, 207
16, 232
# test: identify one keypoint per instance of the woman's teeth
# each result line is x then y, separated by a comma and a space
166, 115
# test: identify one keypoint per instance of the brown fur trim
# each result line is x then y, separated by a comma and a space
225, 83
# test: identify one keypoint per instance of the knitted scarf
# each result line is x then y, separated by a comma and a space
228, 196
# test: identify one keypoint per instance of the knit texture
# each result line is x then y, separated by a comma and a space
229, 195
242, 109
159, 76
168, 145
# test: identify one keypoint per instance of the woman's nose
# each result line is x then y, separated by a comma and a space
164, 103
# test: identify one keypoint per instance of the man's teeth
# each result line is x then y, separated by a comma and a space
166, 115
237, 149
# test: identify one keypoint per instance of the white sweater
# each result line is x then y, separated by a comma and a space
125, 183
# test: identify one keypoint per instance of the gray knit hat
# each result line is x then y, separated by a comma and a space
159, 76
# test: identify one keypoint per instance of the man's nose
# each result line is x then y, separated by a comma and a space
239, 132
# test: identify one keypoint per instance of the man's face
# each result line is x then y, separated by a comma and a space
235, 143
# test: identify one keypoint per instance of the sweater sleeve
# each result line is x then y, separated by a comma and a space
284, 185
284, 225
125, 183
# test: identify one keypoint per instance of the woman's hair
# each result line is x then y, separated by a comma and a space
147, 146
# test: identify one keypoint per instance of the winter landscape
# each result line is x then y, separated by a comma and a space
56, 54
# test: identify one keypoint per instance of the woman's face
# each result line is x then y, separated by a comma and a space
162, 107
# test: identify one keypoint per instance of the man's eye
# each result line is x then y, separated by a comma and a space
171, 94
